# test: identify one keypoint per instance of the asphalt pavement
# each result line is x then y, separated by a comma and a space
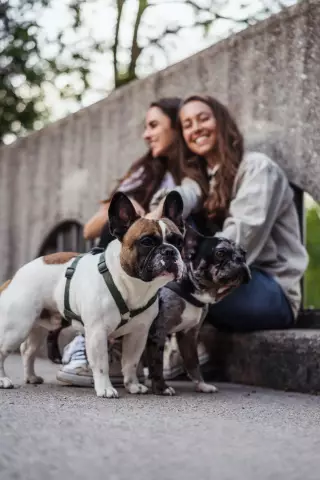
56, 432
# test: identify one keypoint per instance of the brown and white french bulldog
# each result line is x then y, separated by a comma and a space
144, 257
215, 266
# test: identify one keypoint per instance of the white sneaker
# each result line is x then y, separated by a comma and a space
76, 371
172, 361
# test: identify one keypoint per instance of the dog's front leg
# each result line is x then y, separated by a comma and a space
132, 349
155, 347
97, 352
187, 343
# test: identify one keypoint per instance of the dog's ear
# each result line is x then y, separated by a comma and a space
121, 215
192, 240
173, 208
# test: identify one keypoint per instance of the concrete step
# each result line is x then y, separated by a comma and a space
279, 359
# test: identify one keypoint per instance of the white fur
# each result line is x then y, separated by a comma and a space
37, 286
191, 317
165, 231
163, 228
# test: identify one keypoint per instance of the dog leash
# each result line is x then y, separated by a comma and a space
125, 312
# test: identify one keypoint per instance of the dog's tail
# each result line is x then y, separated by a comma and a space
4, 286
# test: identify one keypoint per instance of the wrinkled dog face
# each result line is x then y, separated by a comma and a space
215, 265
150, 248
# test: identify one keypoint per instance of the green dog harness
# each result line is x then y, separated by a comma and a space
125, 313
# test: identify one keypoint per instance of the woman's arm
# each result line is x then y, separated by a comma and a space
93, 227
256, 205
191, 195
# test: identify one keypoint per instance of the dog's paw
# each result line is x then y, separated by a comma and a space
34, 380
136, 388
161, 388
169, 391
205, 388
5, 382
109, 392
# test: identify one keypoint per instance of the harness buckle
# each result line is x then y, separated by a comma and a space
102, 266
96, 250
69, 272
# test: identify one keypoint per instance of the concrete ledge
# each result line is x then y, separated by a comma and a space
280, 359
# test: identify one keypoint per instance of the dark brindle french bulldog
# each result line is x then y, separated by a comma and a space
214, 268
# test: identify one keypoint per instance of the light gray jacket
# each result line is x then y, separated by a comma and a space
263, 219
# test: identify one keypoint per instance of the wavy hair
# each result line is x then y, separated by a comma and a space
154, 169
229, 152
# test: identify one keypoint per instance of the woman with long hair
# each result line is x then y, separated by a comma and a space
249, 196
158, 169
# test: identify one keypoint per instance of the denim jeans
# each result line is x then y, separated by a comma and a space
257, 305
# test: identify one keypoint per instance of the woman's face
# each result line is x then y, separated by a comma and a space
158, 134
199, 127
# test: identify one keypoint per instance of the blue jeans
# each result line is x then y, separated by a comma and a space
257, 305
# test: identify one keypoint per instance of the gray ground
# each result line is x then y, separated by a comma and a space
59, 432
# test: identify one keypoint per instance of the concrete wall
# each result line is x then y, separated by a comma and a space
268, 75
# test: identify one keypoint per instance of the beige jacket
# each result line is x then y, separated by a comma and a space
264, 220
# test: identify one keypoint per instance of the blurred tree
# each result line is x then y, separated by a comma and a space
205, 14
27, 66
312, 278
33, 60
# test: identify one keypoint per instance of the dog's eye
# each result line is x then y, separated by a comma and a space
148, 241
220, 254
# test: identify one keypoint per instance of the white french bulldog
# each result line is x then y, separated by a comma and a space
144, 257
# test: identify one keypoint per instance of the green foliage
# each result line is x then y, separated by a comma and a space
312, 278
25, 69
31, 62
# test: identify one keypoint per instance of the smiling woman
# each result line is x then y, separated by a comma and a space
252, 196
249, 197
157, 170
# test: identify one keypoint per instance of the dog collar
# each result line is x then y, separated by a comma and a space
176, 288
125, 312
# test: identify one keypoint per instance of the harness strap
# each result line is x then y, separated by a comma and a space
103, 269
122, 306
68, 313
176, 288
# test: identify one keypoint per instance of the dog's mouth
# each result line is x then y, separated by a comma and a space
218, 288
170, 269
225, 290
158, 265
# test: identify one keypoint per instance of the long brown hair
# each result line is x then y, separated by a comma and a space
228, 151
154, 169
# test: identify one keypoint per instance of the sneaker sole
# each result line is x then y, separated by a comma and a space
87, 381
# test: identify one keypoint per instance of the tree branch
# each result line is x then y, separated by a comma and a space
120, 4
135, 49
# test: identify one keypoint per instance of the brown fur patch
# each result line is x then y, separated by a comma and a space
139, 228
5, 285
59, 258
128, 256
